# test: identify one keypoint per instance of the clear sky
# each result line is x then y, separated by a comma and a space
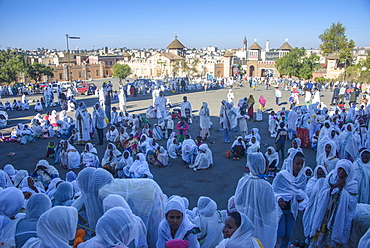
152, 24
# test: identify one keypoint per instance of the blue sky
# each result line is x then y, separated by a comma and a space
153, 24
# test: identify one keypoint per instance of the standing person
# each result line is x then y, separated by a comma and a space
82, 124
262, 102
289, 187
99, 122
280, 140
230, 96
122, 100
316, 97
205, 121
160, 107
277, 96
186, 110
335, 97
250, 104
182, 128
107, 106
228, 119
342, 92
254, 197
338, 197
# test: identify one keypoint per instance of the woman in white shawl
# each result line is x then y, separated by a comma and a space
291, 123
210, 223
238, 232
123, 166
113, 201
140, 168
338, 197
83, 124
55, 228
313, 189
44, 172
254, 197
176, 225
111, 157
328, 158
116, 228
69, 157
162, 157
11, 201
289, 187
173, 149
349, 141
204, 121
143, 143
296, 146
173, 135
272, 159
29, 188
112, 134
17, 232
361, 168
253, 145
204, 158
89, 156
238, 148
228, 119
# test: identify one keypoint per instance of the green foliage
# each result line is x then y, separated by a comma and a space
121, 71
11, 65
37, 70
359, 72
296, 64
334, 40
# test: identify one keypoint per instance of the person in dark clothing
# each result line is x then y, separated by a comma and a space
107, 105
280, 140
353, 96
334, 99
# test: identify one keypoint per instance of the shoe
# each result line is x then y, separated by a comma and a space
195, 169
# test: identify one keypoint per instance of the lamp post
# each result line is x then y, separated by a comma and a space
67, 38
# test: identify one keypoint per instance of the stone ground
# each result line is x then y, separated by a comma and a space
219, 182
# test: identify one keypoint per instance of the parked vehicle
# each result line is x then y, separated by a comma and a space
86, 88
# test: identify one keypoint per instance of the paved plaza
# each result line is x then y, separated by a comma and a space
218, 182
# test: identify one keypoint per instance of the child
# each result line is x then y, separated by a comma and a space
169, 126
315, 140
38, 107
73, 137
13, 135
272, 124
198, 141
50, 150
115, 95
272, 158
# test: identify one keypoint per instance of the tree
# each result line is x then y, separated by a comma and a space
121, 71
37, 70
11, 65
296, 64
334, 40
359, 72
187, 67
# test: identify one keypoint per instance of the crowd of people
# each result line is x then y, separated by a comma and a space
114, 200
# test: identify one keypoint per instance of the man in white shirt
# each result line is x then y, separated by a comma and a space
160, 107
186, 110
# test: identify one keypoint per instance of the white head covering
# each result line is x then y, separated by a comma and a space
291, 188
206, 206
10, 170
11, 201
37, 205
90, 180
274, 155
19, 177
71, 176
5, 180
140, 167
242, 237
116, 228
164, 230
341, 221
55, 228
256, 163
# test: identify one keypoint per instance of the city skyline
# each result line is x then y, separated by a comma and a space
147, 24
